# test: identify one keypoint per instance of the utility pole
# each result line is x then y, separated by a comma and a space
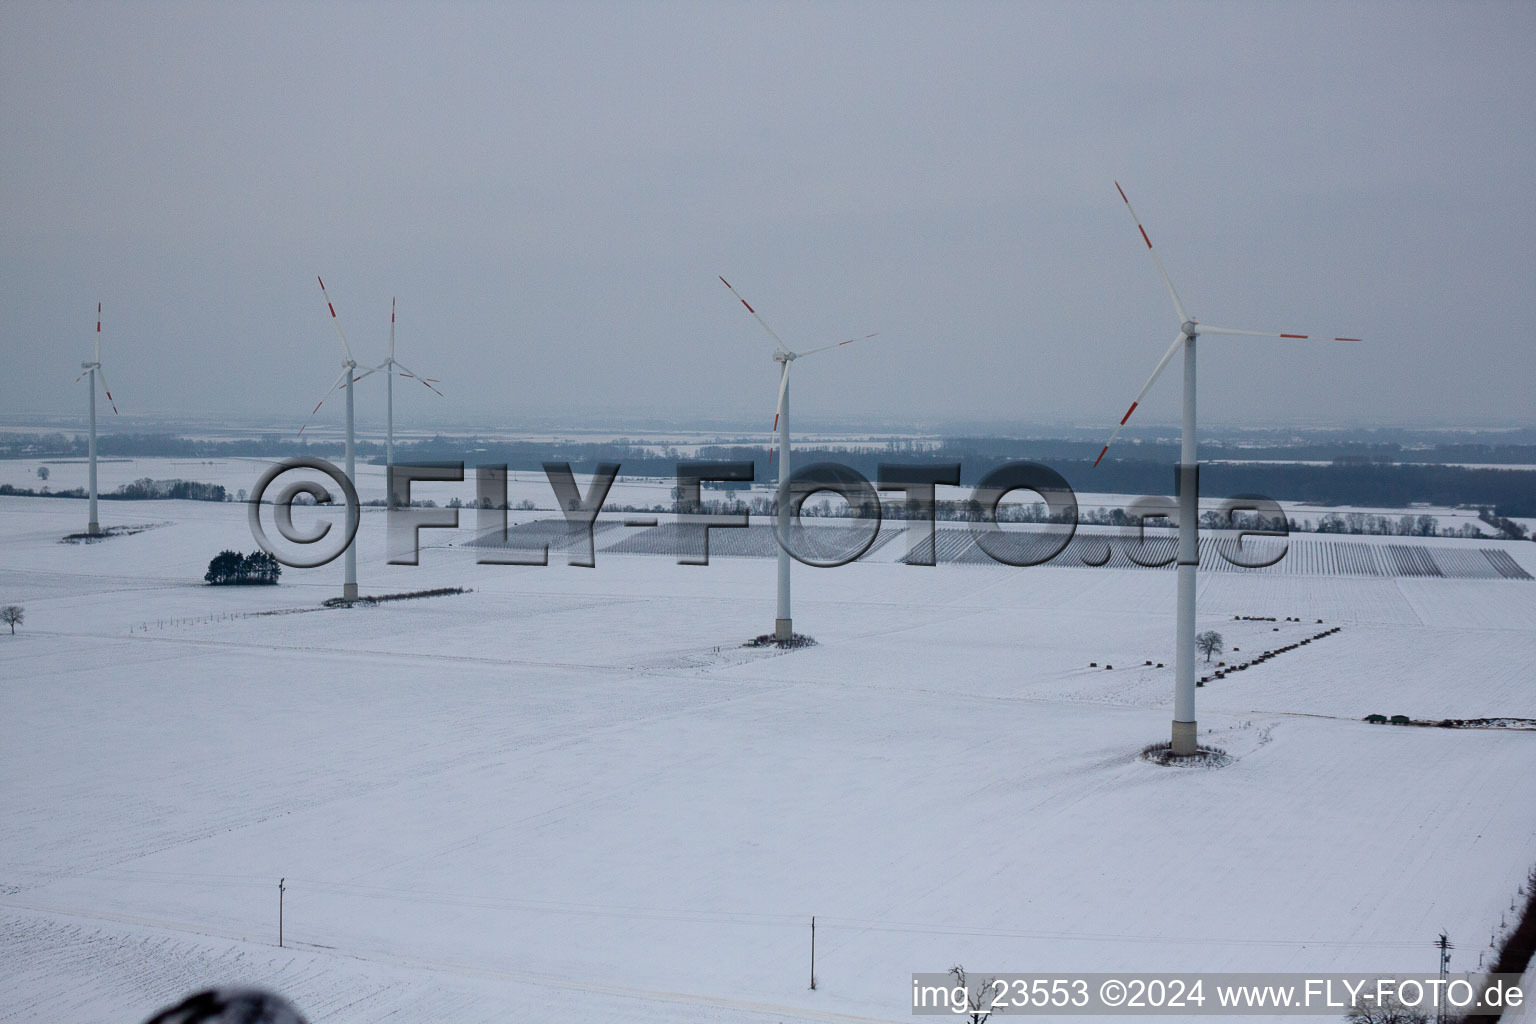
1444, 944
813, 951
280, 890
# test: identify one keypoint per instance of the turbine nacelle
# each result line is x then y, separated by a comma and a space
1191, 328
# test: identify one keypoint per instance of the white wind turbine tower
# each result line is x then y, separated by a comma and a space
783, 629
389, 368
346, 380
93, 368
1190, 329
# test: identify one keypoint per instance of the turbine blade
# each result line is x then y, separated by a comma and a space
776, 339
408, 373
98, 333
1161, 363
328, 392
1178, 307
778, 409
1265, 334
391, 329
106, 388
823, 348
344, 346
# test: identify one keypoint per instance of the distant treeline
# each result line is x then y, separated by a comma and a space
1509, 492
143, 489
149, 446
1358, 473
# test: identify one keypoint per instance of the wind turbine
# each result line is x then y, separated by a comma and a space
389, 367
344, 379
93, 368
1190, 329
783, 630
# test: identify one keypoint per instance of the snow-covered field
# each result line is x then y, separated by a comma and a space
572, 794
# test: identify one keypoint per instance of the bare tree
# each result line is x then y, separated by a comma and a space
42, 472
1389, 1011
13, 615
982, 997
1210, 642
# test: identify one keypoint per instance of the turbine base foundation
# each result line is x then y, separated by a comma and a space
783, 631
93, 528
1184, 739
349, 591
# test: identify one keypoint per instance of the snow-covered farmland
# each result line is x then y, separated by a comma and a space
571, 793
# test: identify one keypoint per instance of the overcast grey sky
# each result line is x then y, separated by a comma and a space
551, 189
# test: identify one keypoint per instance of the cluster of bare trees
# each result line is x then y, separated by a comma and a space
1389, 1011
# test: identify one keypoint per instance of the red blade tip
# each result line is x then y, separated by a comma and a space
1101, 456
